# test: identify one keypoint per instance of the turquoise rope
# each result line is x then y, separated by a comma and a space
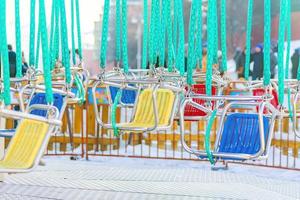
52, 32
210, 51
18, 39
281, 37
45, 51
4, 53
216, 41
118, 30
145, 35
163, 33
81, 91
105, 23
72, 32
199, 36
151, 52
191, 44
79, 43
288, 38
64, 42
267, 41
56, 36
207, 137
124, 36
32, 33
181, 50
248, 38
223, 36
114, 111
38, 48
171, 56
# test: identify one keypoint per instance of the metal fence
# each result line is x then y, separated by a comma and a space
82, 136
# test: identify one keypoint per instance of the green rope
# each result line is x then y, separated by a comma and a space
56, 36
216, 42
157, 34
164, 17
78, 29
38, 48
288, 38
45, 51
191, 44
81, 91
152, 59
105, 23
199, 36
291, 114
18, 39
281, 37
171, 56
32, 33
248, 38
181, 50
210, 51
114, 111
145, 35
118, 30
4, 53
52, 32
124, 36
175, 28
73, 33
64, 42
207, 137
223, 36
267, 41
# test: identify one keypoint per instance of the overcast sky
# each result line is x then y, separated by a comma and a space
90, 10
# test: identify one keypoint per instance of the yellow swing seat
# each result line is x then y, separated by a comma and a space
26, 147
145, 117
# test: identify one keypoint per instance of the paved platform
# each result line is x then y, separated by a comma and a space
126, 178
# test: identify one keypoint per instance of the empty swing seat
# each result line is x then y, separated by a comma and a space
144, 116
128, 96
38, 98
27, 146
191, 111
241, 134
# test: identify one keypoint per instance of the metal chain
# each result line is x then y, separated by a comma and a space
248, 38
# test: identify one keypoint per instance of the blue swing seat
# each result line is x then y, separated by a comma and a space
241, 134
128, 96
38, 98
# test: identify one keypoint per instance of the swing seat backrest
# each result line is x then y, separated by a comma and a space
260, 92
144, 115
241, 134
40, 98
26, 145
191, 111
128, 96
